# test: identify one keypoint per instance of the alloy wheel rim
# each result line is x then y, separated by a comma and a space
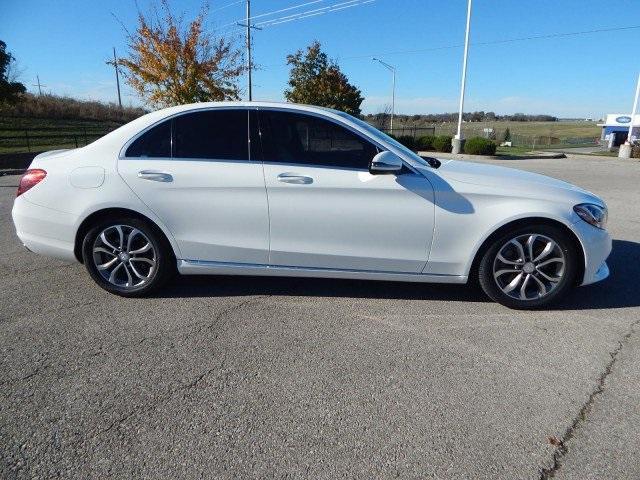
124, 256
529, 267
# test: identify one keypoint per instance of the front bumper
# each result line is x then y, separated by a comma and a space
596, 244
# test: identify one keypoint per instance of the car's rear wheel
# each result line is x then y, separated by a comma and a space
127, 256
529, 267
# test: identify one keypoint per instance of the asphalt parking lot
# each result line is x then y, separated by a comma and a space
220, 377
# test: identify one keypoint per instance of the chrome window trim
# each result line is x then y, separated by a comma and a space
340, 122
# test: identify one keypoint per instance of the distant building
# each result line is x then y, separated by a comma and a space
615, 129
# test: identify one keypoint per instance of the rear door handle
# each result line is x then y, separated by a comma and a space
295, 179
155, 175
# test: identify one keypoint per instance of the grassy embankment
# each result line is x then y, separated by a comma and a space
37, 123
41, 134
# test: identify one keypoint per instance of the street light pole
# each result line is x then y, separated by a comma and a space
625, 150
458, 141
393, 88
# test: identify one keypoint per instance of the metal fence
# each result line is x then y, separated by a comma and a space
414, 132
20, 140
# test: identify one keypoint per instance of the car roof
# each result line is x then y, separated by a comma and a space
244, 104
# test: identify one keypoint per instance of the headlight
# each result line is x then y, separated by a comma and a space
592, 214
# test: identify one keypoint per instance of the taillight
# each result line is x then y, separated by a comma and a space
30, 179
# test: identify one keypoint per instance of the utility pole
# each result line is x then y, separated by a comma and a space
393, 88
458, 140
39, 85
249, 49
625, 150
115, 65
249, 61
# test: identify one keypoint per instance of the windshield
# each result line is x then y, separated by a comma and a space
383, 136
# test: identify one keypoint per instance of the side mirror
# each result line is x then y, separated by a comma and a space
385, 162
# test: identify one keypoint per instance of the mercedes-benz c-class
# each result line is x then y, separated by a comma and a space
293, 190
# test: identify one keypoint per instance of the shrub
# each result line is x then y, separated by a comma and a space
480, 146
425, 142
442, 143
635, 151
408, 141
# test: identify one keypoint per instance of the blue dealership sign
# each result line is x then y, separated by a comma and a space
623, 119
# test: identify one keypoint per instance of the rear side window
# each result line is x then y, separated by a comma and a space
213, 134
309, 140
155, 142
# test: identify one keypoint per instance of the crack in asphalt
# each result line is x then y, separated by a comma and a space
152, 406
118, 347
183, 387
562, 448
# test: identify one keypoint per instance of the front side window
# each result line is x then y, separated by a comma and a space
211, 134
304, 139
154, 143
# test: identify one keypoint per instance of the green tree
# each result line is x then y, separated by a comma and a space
10, 89
316, 80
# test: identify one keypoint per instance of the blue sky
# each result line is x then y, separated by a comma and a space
66, 43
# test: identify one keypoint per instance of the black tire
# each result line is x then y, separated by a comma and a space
554, 290
161, 255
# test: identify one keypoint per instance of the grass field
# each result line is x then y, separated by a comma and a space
542, 129
39, 134
522, 133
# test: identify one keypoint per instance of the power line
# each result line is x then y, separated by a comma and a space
227, 6
315, 12
305, 14
490, 42
287, 9
273, 12
495, 42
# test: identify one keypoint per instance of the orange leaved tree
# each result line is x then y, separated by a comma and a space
170, 65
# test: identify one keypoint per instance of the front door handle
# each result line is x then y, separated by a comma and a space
155, 175
295, 179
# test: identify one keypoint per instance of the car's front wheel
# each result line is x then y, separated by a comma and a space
127, 256
529, 267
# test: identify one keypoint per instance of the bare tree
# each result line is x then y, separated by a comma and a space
382, 119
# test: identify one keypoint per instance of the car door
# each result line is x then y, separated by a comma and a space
327, 211
195, 172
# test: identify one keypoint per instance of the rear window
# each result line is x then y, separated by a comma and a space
212, 134
155, 142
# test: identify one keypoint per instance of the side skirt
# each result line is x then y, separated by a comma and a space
200, 267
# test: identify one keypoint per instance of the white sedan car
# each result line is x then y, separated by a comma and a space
293, 190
